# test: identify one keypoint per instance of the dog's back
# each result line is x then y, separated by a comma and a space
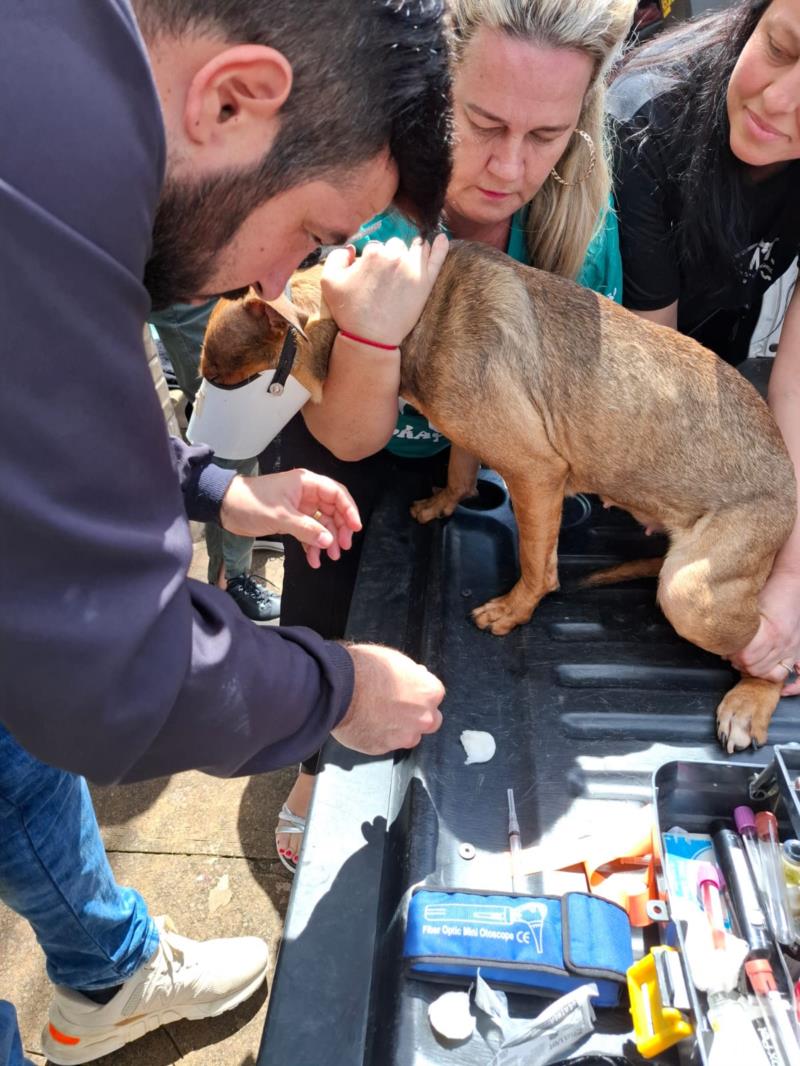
642, 414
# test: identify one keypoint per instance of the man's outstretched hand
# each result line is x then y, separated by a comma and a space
317, 510
395, 702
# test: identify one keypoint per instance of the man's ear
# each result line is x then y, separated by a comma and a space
278, 312
233, 103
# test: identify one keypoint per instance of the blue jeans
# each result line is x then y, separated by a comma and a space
10, 1043
54, 872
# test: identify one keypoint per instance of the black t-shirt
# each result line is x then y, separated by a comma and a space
716, 306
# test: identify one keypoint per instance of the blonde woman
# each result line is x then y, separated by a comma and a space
531, 177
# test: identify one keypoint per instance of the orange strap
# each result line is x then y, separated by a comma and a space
618, 862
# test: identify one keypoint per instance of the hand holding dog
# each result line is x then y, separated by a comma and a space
380, 296
395, 702
317, 510
777, 639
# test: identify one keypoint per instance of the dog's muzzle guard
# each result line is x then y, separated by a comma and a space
239, 421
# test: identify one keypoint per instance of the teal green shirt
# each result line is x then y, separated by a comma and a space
601, 271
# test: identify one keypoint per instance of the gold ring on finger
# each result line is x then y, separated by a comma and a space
317, 516
788, 667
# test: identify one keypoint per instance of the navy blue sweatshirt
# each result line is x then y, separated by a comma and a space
112, 663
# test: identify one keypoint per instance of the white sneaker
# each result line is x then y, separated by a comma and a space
184, 979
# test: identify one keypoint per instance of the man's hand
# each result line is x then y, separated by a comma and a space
380, 296
395, 701
777, 640
316, 510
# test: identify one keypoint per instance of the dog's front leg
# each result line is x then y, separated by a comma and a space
744, 715
537, 501
462, 482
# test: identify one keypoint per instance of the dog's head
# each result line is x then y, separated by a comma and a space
246, 336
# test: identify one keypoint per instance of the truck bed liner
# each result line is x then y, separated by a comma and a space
585, 703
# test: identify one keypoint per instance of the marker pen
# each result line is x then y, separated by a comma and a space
743, 892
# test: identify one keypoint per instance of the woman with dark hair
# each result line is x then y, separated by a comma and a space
708, 196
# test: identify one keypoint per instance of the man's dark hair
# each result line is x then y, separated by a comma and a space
367, 74
700, 57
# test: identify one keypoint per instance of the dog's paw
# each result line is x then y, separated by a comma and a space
744, 715
498, 616
735, 727
440, 505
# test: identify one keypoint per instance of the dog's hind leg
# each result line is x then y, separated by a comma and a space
709, 589
537, 498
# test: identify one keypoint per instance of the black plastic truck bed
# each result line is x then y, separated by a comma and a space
585, 703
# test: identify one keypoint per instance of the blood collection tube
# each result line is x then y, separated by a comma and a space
745, 821
776, 898
708, 887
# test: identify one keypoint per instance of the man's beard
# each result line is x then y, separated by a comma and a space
194, 222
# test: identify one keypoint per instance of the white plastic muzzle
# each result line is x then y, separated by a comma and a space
240, 421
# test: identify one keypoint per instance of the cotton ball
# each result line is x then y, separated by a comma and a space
479, 746
450, 1017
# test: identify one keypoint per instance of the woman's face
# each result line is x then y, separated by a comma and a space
516, 105
764, 90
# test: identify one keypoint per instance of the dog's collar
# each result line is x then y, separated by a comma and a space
285, 363
287, 356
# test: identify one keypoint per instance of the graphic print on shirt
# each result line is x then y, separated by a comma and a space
760, 260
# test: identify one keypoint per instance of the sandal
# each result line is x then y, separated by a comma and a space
291, 824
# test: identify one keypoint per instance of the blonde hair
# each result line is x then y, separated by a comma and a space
562, 220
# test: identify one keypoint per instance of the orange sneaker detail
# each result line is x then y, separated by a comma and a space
62, 1038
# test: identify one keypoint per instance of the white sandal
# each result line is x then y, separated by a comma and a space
290, 824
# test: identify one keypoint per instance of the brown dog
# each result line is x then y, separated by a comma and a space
562, 391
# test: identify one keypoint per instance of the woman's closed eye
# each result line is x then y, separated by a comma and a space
537, 136
780, 55
543, 138
486, 131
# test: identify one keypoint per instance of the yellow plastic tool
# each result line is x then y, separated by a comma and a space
657, 1022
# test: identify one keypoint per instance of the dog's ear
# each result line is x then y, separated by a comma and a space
278, 312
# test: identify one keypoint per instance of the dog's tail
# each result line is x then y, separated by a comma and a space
624, 572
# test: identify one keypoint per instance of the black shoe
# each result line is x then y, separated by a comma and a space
254, 600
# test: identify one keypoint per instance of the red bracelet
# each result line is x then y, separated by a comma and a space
372, 344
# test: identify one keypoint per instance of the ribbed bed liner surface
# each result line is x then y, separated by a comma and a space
584, 703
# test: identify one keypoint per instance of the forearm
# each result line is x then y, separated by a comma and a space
662, 316
182, 681
358, 410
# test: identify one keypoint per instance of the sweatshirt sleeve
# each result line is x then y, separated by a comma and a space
113, 663
202, 483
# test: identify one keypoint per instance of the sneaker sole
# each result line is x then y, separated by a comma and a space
103, 1042
273, 546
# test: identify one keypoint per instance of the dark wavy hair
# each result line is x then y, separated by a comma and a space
367, 74
700, 57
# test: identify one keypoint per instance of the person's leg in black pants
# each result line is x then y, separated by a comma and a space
320, 599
